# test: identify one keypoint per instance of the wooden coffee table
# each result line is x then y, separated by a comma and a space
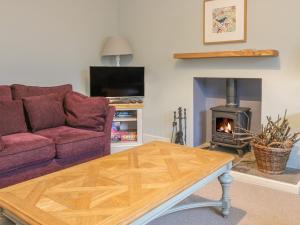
132, 187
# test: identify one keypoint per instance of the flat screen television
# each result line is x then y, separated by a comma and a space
117, 81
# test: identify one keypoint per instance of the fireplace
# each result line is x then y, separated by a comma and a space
230, 119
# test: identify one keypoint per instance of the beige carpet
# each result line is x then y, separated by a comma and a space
251, 205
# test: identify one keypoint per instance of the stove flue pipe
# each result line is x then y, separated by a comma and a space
231, 92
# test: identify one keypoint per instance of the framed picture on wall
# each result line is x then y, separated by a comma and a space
225, 21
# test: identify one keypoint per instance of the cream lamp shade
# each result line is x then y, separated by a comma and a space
116, 46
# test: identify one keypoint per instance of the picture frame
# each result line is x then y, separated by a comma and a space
225, 21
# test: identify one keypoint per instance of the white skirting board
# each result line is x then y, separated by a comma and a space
148, 137
268, 183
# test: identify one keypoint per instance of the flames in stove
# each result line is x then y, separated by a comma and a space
225, 128
224, 125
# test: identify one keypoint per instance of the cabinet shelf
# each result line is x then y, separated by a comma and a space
127, 127
228, 54
128, 106
128, 119
124, 144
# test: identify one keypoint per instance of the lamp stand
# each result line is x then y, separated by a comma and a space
118, 59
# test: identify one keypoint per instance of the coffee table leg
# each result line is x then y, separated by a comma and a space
225, 180
4, 220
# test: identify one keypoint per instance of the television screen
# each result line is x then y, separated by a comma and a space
117, 81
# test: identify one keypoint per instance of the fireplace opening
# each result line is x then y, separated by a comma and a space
224, 125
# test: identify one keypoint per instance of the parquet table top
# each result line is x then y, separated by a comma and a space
116, 189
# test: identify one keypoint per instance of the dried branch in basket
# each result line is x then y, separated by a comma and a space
275, 134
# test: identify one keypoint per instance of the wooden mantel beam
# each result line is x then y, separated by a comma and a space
228, 54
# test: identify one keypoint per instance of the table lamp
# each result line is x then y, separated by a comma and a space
116, 46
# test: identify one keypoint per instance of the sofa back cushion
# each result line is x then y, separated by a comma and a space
1, 144
12, 119
45, 111
5, 93
21, 91
85, 112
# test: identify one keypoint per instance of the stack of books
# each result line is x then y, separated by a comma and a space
118, 135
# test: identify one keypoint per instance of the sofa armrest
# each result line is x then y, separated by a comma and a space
107, 129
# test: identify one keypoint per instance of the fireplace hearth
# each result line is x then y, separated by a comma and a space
230, 119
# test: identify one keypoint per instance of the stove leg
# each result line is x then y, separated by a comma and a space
240, 152
212, 146
225, 181
249, 148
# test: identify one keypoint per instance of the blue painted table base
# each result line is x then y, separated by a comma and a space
170, 206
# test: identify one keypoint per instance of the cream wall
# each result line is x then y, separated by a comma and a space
55, 41
157, 29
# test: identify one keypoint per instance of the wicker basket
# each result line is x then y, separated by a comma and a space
271, 160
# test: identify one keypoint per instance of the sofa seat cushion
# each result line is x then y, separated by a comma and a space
25, 149
71, 142
5, 93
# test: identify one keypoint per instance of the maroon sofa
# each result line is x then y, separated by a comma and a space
26, 154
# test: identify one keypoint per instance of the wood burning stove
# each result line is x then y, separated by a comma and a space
230, 119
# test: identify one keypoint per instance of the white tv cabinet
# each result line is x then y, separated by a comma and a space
131, 122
